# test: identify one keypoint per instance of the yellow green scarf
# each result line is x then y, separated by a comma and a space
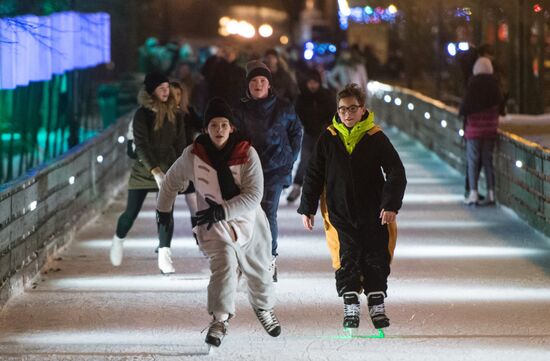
352, 136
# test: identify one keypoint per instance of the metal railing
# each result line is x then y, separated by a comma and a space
522, 168
40, 211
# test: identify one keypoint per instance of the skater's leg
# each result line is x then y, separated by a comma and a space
270, 205
135, 200
375, 267
474, 159
487, 146
375, 259
222, 288
348, 275
254, 259
166, 232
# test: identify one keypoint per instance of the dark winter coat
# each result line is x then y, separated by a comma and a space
355, 187
275, 132
228, 82
284, 86
483, 92
315, 110
154, 148
480, 106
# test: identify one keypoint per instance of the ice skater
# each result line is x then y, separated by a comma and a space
276, 133
159, 137
232, 228
357, 174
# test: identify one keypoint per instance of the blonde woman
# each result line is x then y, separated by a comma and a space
159, 137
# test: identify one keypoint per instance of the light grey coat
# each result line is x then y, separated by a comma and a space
242, 240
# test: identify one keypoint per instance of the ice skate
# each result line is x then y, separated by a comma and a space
216, 332
352, 310
269, 321
377, 310
165, 261
117, 250
490, 200
473, 199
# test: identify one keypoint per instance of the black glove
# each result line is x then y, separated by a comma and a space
210, 215
164, 218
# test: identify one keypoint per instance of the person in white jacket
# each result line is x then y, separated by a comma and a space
232, 228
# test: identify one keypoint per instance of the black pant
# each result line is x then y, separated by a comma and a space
136, 197
364, 259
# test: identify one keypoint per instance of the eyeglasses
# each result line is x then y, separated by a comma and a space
351, 109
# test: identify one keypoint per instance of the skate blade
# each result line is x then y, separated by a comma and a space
350, 333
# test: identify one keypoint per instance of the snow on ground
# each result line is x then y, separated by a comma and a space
467, 283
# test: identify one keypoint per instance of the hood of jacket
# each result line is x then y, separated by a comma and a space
352, 136
145, 100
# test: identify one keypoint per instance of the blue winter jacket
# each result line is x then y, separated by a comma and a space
275, 132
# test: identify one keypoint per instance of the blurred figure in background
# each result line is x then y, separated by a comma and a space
228, 78
480, 107
283, 85
315, 108
348, 69
193, 127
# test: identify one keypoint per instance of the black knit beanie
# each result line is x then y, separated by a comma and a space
256, 68
153, 80
217, 107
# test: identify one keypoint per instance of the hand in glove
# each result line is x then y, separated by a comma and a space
164, 218
159, 177
210, 215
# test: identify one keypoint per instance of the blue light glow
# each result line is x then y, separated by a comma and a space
366, 15
34, 48
308, 54
451, 49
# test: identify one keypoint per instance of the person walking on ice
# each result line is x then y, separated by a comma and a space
357, 174
232, 228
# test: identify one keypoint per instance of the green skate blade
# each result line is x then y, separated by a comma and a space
350, 333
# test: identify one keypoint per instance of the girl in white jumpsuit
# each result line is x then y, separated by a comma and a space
232, 228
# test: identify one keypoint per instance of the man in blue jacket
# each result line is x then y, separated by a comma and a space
276, 133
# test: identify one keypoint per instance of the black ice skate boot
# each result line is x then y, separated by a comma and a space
216, 332
269, 321
352, 310
377, 310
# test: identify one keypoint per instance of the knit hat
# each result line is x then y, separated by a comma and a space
153, 80
217, 107
483, 66
313, 74
257, 68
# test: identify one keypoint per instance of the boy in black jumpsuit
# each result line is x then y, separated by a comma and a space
357, 174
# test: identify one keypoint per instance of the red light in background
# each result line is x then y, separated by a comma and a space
537, 8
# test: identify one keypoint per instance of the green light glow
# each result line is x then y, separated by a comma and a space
8, 137
349, 333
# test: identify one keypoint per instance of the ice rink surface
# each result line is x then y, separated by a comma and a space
467, 283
